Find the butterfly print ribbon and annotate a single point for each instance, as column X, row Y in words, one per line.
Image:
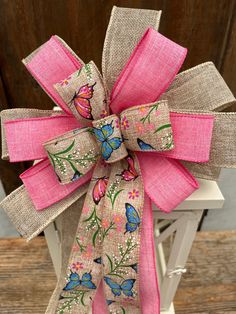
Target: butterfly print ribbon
column 125, row 142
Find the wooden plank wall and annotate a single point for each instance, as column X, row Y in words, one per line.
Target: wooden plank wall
column 207, row 28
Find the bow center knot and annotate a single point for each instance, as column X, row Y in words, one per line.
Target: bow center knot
column 110, row 139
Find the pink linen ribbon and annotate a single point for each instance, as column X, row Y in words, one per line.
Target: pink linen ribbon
column 151, row 68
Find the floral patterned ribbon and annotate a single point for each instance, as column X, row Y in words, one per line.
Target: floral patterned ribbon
column 106, row 250
column 112, row 212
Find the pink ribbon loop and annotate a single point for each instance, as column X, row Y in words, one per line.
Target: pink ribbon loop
column 53, row 62
column 44, row 193
column 25, row 137
column 151, row 68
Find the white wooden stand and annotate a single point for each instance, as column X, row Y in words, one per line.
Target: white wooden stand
column 181, row 224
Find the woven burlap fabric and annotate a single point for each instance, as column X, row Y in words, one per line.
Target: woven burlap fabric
column 115, row 238
column 154, row 117
column 99, row 171
column 198, row 90
column 69, row 221
column 21, row 113
column 111, row 246
column 72, row 154
column 90, row 76
column 221, row 155
column 124, row 31
column 67, row 226
column 27, row 220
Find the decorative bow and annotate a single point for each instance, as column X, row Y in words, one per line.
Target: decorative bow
column 125, row 144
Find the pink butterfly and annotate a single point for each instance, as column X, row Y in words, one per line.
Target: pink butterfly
column 81, row 101
column 130, row 173
column 99, row 189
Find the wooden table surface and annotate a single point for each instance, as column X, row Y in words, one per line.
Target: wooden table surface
column 27, row 277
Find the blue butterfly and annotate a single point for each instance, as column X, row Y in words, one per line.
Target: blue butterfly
column 132, row 217
column 144, row 146
column 74, row 281
column 108, row 144
column 125, row 287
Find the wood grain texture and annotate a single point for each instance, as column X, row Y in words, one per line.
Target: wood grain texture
column 228, row 66
column 206, row 28
column 209, row 286
column 27, row 277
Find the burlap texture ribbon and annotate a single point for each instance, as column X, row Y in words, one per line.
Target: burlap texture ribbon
column 114, row 222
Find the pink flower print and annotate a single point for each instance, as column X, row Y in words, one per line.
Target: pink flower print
column 119, row 228
column 139, row 127
column 75, row 248
column 103, row 163
column 117, row 122
column 87, row 254
column 133, row 194
column 118, row 219
column 85, row 210
column 143, row 111
column 150, row 126
column 77, row 266
column 105, row 223
column 65, row 81
column 157, row 112
column 124, row 123
column 119, row 222
column 104, row 114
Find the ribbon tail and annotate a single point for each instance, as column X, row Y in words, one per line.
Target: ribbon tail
column 123, row 210
column 99, row 303
column 149, row 290
column 83, row 274
column 66, row 225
